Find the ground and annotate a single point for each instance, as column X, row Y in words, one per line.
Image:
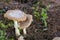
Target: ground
column 35, row 32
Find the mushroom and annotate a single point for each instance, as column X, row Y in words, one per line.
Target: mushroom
column 21, row 20
column 16, row 16
column 26, row 24
column 56, row 38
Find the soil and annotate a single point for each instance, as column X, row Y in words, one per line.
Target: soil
column 35, row 31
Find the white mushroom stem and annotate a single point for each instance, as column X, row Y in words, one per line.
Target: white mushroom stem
column 16, row 25
column 24, row 30
column 21, row 38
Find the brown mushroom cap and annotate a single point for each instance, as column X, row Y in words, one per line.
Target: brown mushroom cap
column 26, row 23
column 56, row 38
column 17, row 15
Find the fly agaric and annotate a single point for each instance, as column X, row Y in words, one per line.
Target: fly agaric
column 20, row 19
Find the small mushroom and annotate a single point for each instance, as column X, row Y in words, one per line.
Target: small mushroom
column 56, row 38
column 25, row 24
column 16, row 16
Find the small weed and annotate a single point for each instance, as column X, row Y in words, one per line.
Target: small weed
column 2, row 35
column 44, row 15
column 2, row 25
column 36, row 13
column 40, row 16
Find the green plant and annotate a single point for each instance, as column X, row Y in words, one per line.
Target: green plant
column 2, row 25
column 36, row 13
column 41, row 16
column 11, row 39
column 2, row 35
column 44, row 17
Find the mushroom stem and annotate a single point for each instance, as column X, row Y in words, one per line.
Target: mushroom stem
column 21, row 38
column 24, row 30
column 16, row 25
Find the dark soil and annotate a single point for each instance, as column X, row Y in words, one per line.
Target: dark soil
column 35, row 32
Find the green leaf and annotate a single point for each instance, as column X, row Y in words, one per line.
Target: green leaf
column 44, row 16
column 2, row 34
column 2, row 25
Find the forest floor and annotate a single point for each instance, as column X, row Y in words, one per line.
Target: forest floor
column 35, row 32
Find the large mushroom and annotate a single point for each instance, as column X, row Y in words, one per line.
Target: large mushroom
column 21, row 20
column 16, row 16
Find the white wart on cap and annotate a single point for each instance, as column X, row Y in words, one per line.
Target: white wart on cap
column 17, row 15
